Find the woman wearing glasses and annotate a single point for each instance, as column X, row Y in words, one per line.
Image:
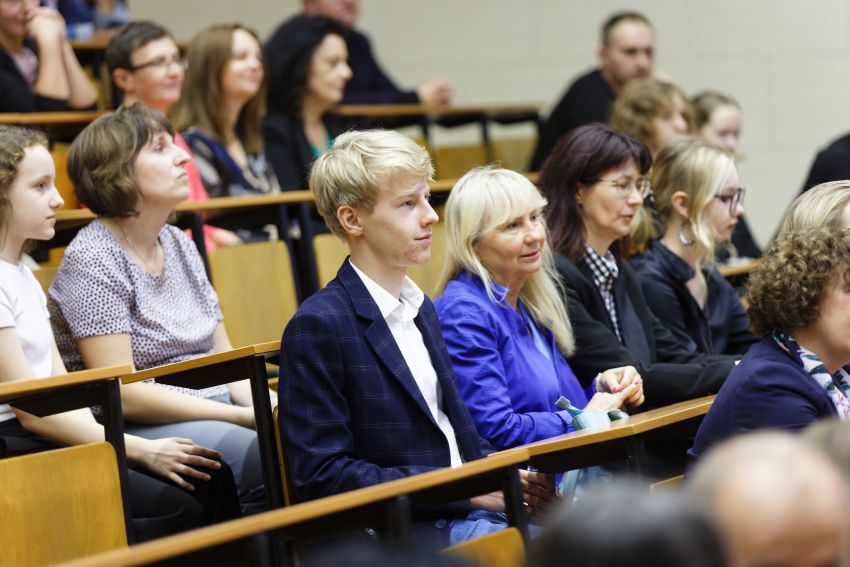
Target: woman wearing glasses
column 695, row 190
column 595, row 184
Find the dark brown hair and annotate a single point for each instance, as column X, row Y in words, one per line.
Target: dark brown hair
column 202, row 99
column 129, row 38
column 785, row 291
column 102, row 157
column 579, row 160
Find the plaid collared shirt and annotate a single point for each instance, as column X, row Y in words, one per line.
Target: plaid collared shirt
column 605, row 273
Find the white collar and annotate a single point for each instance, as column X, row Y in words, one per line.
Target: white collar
column 410, row 294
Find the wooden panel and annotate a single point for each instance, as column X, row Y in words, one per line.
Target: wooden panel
column 454, row 161
column 63, row 182
column 60, row 505
column 514, row 153
column 501, row 549
column 256, row 290
column 672, row 482
column 45, row 276
column 330, row 252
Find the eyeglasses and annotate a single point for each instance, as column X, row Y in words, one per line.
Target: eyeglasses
column 737, row 198
column 624, row 189
column 162, row 63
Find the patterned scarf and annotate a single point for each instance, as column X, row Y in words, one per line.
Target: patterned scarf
column 837, row 386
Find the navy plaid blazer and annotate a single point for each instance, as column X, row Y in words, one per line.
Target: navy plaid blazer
column 351, row 414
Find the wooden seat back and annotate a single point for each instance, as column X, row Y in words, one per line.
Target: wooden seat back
column 501, row 549
column 288, row 488
column 45, row 276
column 256, row 290
column 60, row 505
column 59, row 152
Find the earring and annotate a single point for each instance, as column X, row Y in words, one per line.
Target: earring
column 682, row 237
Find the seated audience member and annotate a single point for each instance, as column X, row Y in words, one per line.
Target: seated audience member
column 220, row 113
column 653, row 530
column 308, row 69
column 84, row 17
column 776, row 500
column 797, row 302
column 147, row 66
column 503, row 316
column 370, row 85
column 827, row 204
column 173, row 482
column 717, row 121
column 132, row 289
column 38, row 69
column 370, row 394
column 625, row 53
column 832, row 163
column 695, row 190
column 595, row 182
column 651, row 110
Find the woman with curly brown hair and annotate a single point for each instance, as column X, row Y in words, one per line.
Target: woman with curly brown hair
column 799, row 304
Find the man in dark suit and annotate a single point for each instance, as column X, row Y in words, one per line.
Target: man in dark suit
column 369, row 394
column 626, row 53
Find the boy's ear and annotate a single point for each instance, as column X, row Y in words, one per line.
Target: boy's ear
column 123, row 79
column 349, row 219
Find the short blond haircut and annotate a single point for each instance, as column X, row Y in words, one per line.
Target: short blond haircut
column 695, row 168
column 640, row 102
column 348, row 174
column 481, row 201
column 822, row 205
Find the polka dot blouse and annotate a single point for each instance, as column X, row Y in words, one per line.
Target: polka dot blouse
column 99, row 290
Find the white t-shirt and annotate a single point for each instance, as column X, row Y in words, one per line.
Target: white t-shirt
column 24, row 307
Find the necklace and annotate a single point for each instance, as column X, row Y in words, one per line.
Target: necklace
column 129, row 240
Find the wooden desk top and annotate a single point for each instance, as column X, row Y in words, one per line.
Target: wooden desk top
column 636, row 424
column 269, row 348
column 191, row 364
column 395, row 110
column 74, row 216
column 13, row 390
column 97, row 42
column 48, row 118
column 377, row 495
column 739, row 269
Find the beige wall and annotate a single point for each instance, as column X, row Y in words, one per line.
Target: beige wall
column 787, row 62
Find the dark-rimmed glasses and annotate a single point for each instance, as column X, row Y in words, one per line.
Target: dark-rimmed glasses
column 162, row 63
column 733, row 200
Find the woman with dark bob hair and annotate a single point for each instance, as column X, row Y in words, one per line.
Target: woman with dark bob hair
column 132, row 289
column 595, row 182
column 308, row 70
column 799, row 304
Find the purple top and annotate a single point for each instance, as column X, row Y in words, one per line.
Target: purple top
column 99, row 290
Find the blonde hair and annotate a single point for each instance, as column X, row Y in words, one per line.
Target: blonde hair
column 822, row 205
column 705, row 103
column 696, row 168
column 482, row 200
column 348, row 174
column 640, row 102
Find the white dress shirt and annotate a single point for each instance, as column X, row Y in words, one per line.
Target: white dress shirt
column 399, row 316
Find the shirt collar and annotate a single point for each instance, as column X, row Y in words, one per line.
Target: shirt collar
column 671, row 261
column 411, row 296
column 604, row 266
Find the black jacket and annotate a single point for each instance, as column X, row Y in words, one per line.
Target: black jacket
column 831, row 164
column 587, row 100
column 15, row 94
column 721, row 328
column 288, row 149
column 369, row 84
column 670, row 373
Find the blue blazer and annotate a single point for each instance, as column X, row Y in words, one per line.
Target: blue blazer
column 767, row 390
column 351, row 414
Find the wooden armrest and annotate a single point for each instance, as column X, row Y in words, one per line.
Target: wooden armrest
column 738, row 269
column 12, row 390
column 292, row 516
column 271, row 348
column 669, row 415
column 49, row 118
column 177, row 368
